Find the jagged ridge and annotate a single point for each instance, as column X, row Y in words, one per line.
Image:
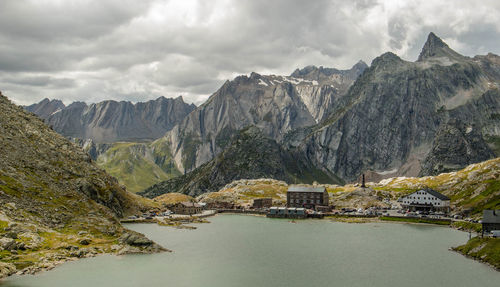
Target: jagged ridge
column 250, row 155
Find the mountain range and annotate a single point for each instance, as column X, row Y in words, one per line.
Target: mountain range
column 392, row 118
column 111, row 121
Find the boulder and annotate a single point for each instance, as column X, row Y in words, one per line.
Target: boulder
column 7, row 269
column 135, row 239
column 85, row 241
column 7, row 243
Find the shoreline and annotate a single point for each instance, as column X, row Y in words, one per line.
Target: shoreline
column 453, row 249
column 129, row 242
column 47, row 266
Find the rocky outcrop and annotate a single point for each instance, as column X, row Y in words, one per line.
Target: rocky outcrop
column 6, row 269
column 456, row 145
column 249, row 155
column 111, row 121
column 274, row 104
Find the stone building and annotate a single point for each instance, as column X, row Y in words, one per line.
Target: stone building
column 308, row 197
column 187, row 208
column 262, row 202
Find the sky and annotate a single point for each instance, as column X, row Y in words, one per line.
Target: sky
column 95, row 50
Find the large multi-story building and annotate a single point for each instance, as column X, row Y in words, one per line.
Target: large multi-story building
column 308, row 197
column 187, row 208
column 425, row 200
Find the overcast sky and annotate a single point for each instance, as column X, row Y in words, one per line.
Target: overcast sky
column 139, row 50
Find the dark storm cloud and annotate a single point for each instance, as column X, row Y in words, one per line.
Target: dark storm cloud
column 138, row 50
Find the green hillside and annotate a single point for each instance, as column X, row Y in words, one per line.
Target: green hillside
column 138, row 165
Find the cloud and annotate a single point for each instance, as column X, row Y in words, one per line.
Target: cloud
column 94, row 50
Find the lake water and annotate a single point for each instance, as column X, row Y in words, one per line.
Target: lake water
column 238, row 250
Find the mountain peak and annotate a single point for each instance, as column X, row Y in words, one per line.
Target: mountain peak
column 360, row 65
column 388, row 58
column 435, row 47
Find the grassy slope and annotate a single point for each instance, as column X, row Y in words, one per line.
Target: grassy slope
column 244, row 191
column 483, row 249
column 133, row 164
column 172, row 198
column 473, row 188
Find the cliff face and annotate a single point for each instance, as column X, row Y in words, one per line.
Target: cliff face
column 52, row 197
column 455, row 146
column 274, row 104
column 111, row 121
column 249, row 155
column 389, row 119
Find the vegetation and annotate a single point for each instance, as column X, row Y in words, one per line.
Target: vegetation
column 467, row 226
column 133, row 164
column 416, row 220
column 172, row 198
column 471, row 189
column 483, row 249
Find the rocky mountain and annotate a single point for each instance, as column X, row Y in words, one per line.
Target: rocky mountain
column 274, row 104
column 111, row 121
column 55, row 203
column 45, row 108
column 392, row 116
column 250, row 154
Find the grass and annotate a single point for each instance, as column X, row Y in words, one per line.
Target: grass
column 484, row 249
column 172, row 198
column 134, row 166
column 467, row 226
column 415, row 220
column 3, row 225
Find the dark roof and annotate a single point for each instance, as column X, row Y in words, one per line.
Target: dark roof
column 491, row 216
column 190, row 204
column 429, row 191
column 306, row 189
column 436, row 194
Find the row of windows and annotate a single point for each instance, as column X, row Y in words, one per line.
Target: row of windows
column 306, row 195
column 304, row 201
column 423, row 197
column 435, row 203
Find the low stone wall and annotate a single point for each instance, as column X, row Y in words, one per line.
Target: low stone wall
column 243, row 211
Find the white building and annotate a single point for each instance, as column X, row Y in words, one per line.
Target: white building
column 425, row 199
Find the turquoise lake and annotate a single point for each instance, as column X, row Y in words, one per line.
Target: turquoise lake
column 238, row 250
